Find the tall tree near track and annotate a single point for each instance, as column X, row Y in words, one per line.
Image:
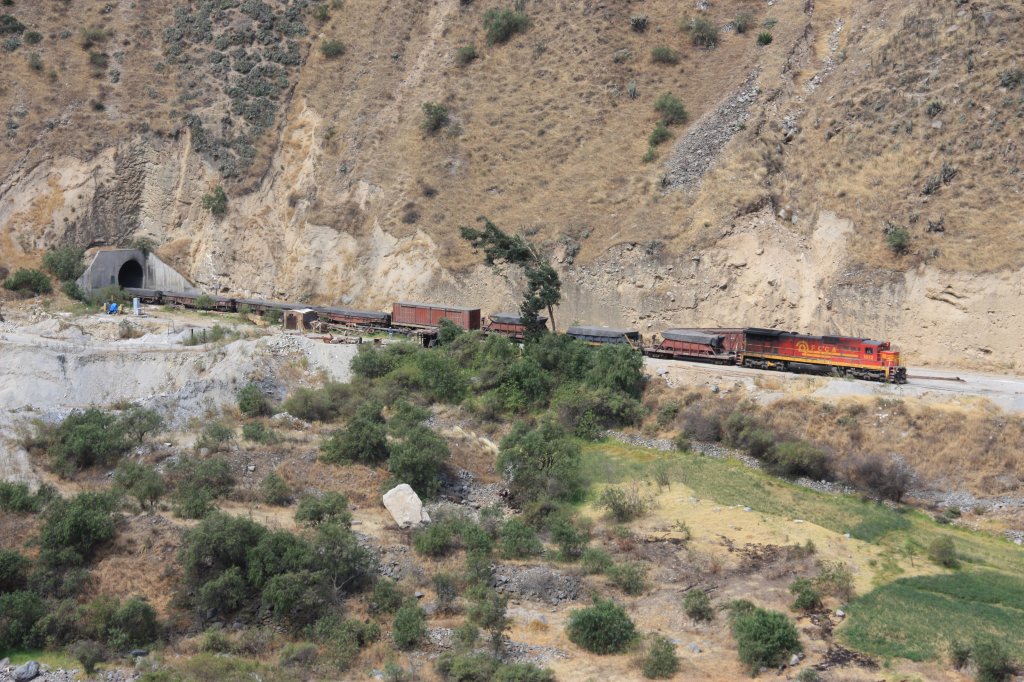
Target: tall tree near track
column 543, row 288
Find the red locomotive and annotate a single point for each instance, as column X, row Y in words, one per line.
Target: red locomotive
column 785, row 351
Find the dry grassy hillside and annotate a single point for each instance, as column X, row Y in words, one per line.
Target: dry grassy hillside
column 885, row 116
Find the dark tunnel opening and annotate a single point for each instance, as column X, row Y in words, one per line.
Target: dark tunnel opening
column 130, row 275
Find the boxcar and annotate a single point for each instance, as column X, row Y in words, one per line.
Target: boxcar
column 354, row 318
column 510, row 325
column 430, row 315
column 694, row 344
column 837, row 355
column 603, row 335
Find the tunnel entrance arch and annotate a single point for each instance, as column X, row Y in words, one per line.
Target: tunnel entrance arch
column 130, row 274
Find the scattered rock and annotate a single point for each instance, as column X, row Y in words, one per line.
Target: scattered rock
column 26, row 672
column 537, row 583
column 405, row 506
column 694, row 649
column 840, row 613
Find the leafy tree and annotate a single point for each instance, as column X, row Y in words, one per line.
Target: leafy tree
column 603, row 628
column 136, row 618
column 276, row 553
column 223, row 595
column 89, row 653
column 216, row 202
column 275, row 490
column 442, row 377
column 64, row 263
column 540, row 463
column 76, row 528
column 619, row 368
column 409, row 626
column 346, row 564
column 141, row 481
column 219, row 543
column 328, row 508
column 26, row 280
column 764, row 638
column 418, row 460
column 252, row 402
column 446, row 588
column 543, row 287
column 364, row 439
column 138, row 422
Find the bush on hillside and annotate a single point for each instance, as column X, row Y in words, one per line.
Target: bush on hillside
column 363, row 440
column 629, row 577
column 502, row 24
column 799, row 458
column 197, row 483
column 215, row 437
column 216, row 202
column 409, row 627
column 332, row 48
column 603, row 628
column 75, row 529
column 65, row 263
column 89, row 653
column 671, row 109
column 330, row 507
column 703, row 32
column 141, row 481
column 28, row 281
column 661, row 661
column 943, row 552
column 13, row 571
column 19, row 498
column 764, row 638
column 541, row 463
column 252, row 402
column 87, row 438
column 435, row 117
column 664, row 55
column 623, row 505
column 275, row 491
column 992, row 659
column 19, row 612
column 138, row 422
column 807, row 598
column 519, row 541
column 418, row 460
column 697, row 605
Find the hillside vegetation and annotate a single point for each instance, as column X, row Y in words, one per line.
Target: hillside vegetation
column 897, row 119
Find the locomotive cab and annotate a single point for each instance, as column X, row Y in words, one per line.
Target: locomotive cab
column 890, row 359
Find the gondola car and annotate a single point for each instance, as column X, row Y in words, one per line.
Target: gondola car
column 599, row 336
column 510, row 325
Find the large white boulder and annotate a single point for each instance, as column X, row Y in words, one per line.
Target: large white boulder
column 405, row 506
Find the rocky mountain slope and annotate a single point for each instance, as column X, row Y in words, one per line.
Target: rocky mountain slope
column 859, row 174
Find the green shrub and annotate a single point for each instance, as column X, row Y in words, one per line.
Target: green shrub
column 138, row 422
column 136, row 618
column 434, row 540
column 216, row 202
column 808, row 675
column 363, row 440
column 661, row 662
column 603, row 628
column 26, row 280
column 799, row 458
column 197, row 483
column 19, row 611
column 8, row 24
column 465, row 54
column 224, row 594
column 65, row 263
column 622, row 505
column 275, row 491
column 743, row 22
column 258, row 432
column 447, row 590
column 594, row 560
column 89, row 653
column 943, row 552
column 74, row 529
column 332, row 48
column 664, row 55
column 638, row 22
column 141, row 481
column 18, row 498
column 697, row 605
column 298, row 654
column 659, row 135
column 13, row 571
column 328, row 508
column 522, row 672
column 418, row 460
column 834, row 577
column 468, row 667
column 73, row 291
column 519, row 541
column 502, row 24
column 992, row 659
column 387, row 597
column 629, row 577
column 671, row 109
column 252, row 402
column 296, row 598
column 345, row 562
column 764, row 38
column 343, row 638
column 409, row 627
column 898, row 239
column 322, row 404
column 435, row 117
column 703, row 32
column 489, row 613
column 569, row 536
column 807, row 598
column 764, row 638
column 934, row 108
column 215, row 437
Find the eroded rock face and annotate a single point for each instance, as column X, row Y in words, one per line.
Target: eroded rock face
column 405, row 506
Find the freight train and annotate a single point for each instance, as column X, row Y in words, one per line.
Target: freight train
column 768, row 349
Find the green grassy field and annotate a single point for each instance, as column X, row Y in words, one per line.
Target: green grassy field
column 916, row 618
column 913, row 618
